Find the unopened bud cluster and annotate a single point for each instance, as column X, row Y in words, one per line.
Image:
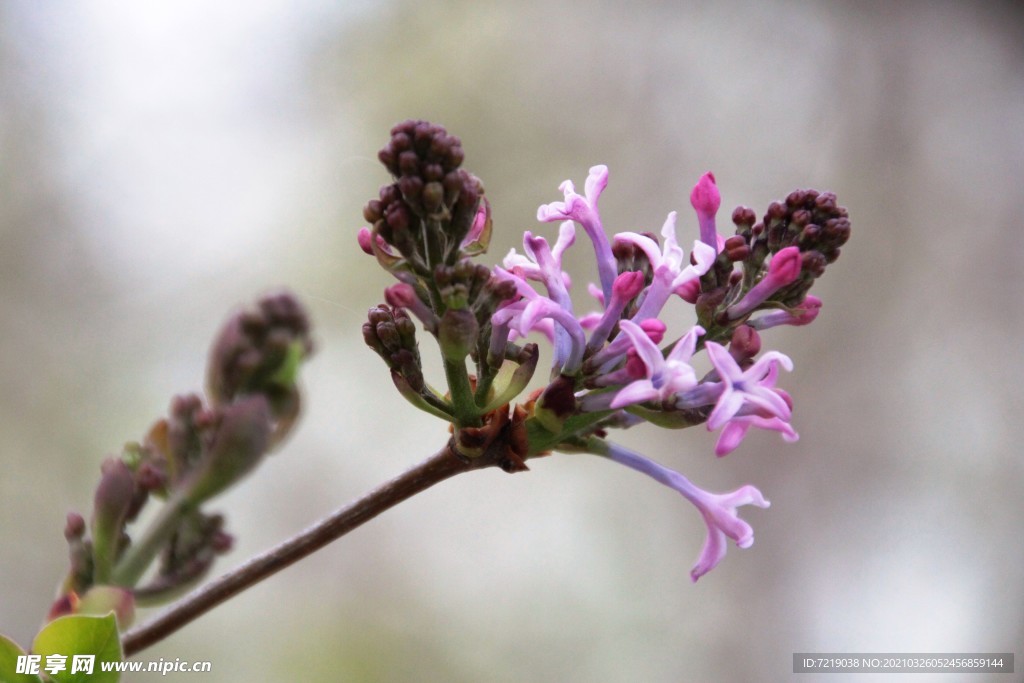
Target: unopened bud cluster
column 430, row 208
column 199, row 450
column 425, row 228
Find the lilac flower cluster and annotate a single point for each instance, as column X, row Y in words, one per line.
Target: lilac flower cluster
column 620, row 366
column 610, row 369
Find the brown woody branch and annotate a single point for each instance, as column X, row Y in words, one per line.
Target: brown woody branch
column 438, row 467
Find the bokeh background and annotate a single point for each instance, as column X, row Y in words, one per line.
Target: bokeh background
column 164, row 162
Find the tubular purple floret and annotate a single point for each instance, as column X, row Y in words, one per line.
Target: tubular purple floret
column 583, row 210
column 717, row 509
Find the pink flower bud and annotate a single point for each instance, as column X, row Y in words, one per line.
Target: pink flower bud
column 784, row 267
column 804, row 314
column 654, row 328
column 365, row 238
column 745, row 343
column 627, row 285
column 689, row 291
column 809, row 310
column 635, row 367
column 401, row 295
column 706, row 200
column 705, row 197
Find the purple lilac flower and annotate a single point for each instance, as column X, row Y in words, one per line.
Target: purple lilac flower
column 667, row 261
column 524, row 315
column 611, row 354
column 544, row 264
column 736, row 429
column 717, row 509
column 665, row 376
column 583, row 210
column 751, row 390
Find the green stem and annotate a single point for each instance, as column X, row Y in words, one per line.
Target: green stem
column 483, row 385
column 140, row 555
column 463, row 403
column 543, row 440
column 104, row 549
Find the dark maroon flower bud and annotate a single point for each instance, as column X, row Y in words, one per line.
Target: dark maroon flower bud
column 408, row 163
column 397, row 216
column 800, row 218
column 814, row 262
column 433, row 173
column 240, row 441
column 455, row 155
column 113, row 498
column 433, row 195
column 114, row 493
column 745, row 343
column 373, row 211
column 776, row 211
column 387, row 156
column 259, row 351
column 411, row 187
column 222, row 542
column 74, row 526
column 744, row 218
column 392, row 334
column 388, row 335
column 826, row 202
column 389, row 194
column 736, row 248
column 469, row 193
column 401, row 142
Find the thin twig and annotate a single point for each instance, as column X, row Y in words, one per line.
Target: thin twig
column 438, row 467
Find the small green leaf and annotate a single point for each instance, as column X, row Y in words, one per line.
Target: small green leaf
column 287, row 374
column 542, row 439
column 512, row 379
column 669, row 419
column 81, row 635
column 415, row 398
column 9, row 653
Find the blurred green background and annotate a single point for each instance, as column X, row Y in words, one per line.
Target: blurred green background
column 161, row 163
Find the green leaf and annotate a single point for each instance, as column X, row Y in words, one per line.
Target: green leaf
column 9, row 653
column 415, row 398
column 81, row 635
column 512, row 379
column 669, row 419
column 542, row 439
column 287, row 374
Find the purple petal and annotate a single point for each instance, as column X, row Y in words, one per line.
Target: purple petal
column 635, row 392
column 645, row 348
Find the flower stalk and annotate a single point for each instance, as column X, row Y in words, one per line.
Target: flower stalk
column 443, row 465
